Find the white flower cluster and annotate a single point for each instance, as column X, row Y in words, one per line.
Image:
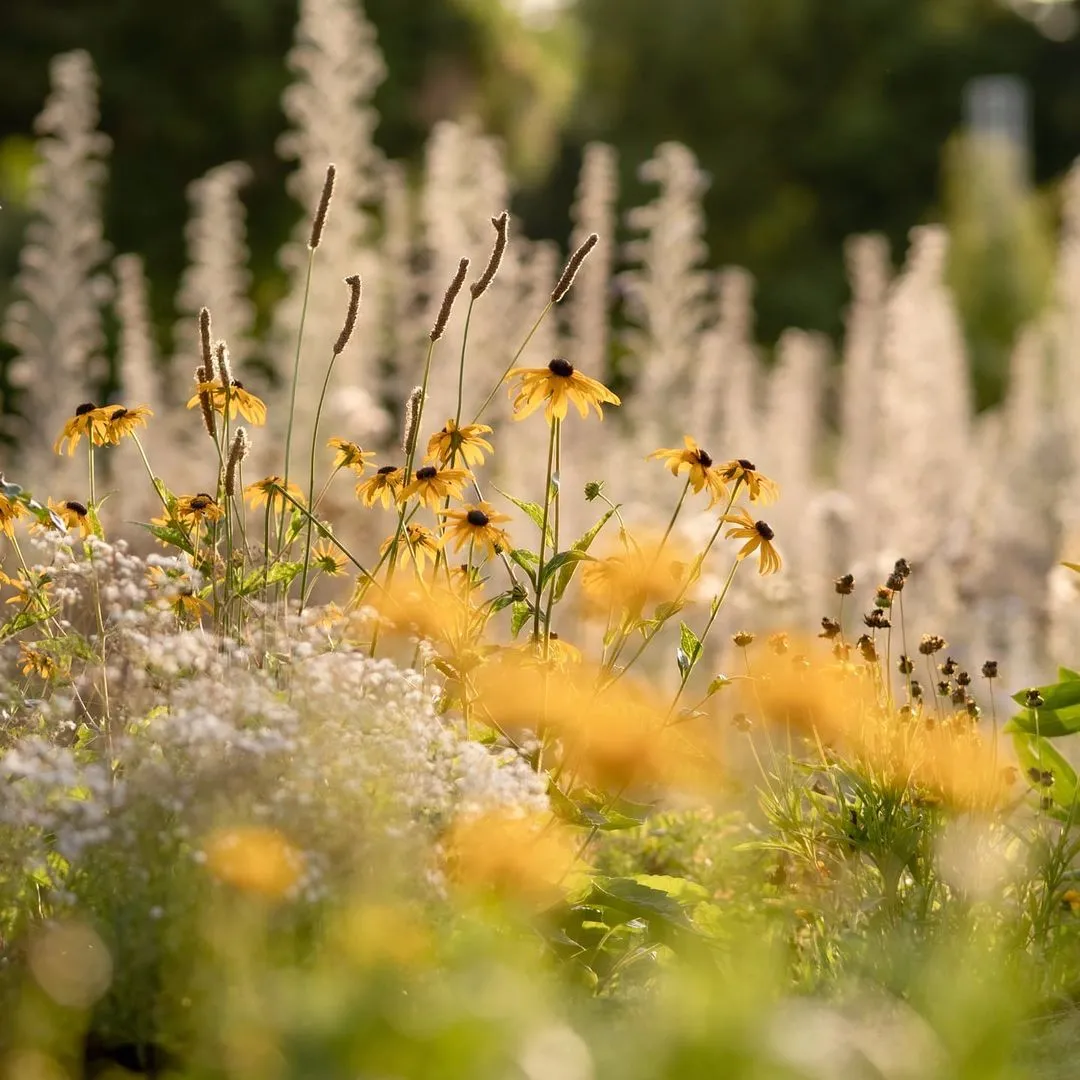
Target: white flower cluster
column 342, row 755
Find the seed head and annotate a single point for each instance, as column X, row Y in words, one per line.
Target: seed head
column 566, row 278
column 240, row 448
column 830, row 628
column 355, row 289
column 203, row 375
column 932, row 643
column 413, row 410
column 205, row 343
column 1033, row 699
column 222, row 363
column 990, row 669
column 905, row 665
column 743, row 638
column 480, row 286
column 845, row 585
column 318, row 223
column 449, row 297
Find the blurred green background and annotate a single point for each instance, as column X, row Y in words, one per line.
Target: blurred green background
column 814, row 119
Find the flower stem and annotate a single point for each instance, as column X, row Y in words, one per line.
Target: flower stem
column 516, row 357
column 544, row 526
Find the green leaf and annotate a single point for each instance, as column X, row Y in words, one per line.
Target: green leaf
column 719, row 683
column 1034, row 752
column 284, row 572
column 169, row 534
column 1067, row 674
column 504, row 599
column 689, row 649
column 583, row 543
column 560, row 559
column 521, row 612
column 527, row 560
column 1049, row 723
column 640, row 901
column 534, row 511
column 664, row 611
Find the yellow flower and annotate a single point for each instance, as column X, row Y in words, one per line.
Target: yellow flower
column 89, row 420
column 123, row 421
column 431, row 485
column 254, row 859
column 560, row 653
column 466, row 441
column 382, row 487
column 10, row 509
column 421, row 544
column 633, row 579
column 475, row 523
column 350, row 456
column 195, row 508
column 760, row 488
column 559, row 385
column 36, row 661
column 73, row 514
column 264, row 492
column 700, row 466
column 250, row 407
column 327, row 558
column 758, row 536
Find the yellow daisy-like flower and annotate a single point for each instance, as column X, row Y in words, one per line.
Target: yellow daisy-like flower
column 420, row 544
column 760, row 488
column 350, row 456
column 560, row 653
column 467, row 441
column 560, row 386
column 89, row 420
column 73, row 514
column 250, row 407
column 758, row 536
column 327, row 558
column 431, row 485
column 476, row 524
column 122, row 421
column 643, row 576
column 264, row 492
column 10, row 511
column 382, row 487
column 35, row 661
column 195, row 508
column 700, row 465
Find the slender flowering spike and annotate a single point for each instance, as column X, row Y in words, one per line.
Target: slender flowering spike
column 480, row 286
column 319, row 222
column 205, row 343
column 350, row 316
column 443, row 317
column 223, row 363
column 412, row 419
column 241, row 447
column 566, row 279
column 203, row 376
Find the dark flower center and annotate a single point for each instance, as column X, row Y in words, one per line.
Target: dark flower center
column 703, row 459
column 201, row 501
column 428, row 472
column 119, row 413
column 237, row 384
column 386, row 470
column 747, row 465
column 86, row 407
column 560, row 366
column 763, row 530
column 76, row 508
column 477, row 518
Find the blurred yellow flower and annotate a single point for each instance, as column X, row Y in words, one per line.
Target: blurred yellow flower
column 193, row 509
column 250, row 407
column 254, row 859
column 123, row 421
column 10, row 511
column 327, row 558
column 73, row 514
column 266, row 493
column 89, row 420
column 350, row 456
column 759, row 488
column 559, row 385
column 36, row 661
column 642, row 576
column 419, row 543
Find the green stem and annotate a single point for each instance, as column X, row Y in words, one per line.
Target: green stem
column 543, row 526
column 510, row 366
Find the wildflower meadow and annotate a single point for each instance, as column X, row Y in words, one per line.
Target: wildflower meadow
column 486, row 665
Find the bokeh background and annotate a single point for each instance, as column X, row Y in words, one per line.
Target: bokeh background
column 813, row 120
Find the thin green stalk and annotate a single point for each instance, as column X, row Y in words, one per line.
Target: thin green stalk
column 516, row 357
column 544, row 524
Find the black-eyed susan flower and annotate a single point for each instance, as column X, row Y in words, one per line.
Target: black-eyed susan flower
column 269, row 492
column 122, row 421
column 327, row 558
column 760, row 489
column 431, row 485
column 193, row 509
column 10, row 511
column 758, row 536
column 89, row 420
column 382, row 487
column 73, row 514
column 350, row 456
column 644, row 575
column 468, row 441
column 476, row 524
column 702, row 473
column 240, row 400
column 34, row 661
column 559, row 385
column 419, row 543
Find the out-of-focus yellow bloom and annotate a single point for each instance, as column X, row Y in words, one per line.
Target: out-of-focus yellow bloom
column 89, row 420
column 382, row 487
column 10, row 511
column 702, row 473
column 475, row 523
column 467, row 441
column 632, row 579
column 254, row 859
column 760, row 489
column 250, row 407
column 418, row 543
column 73, row 514
column 122, row 421
column 350, row 456
column 265, row 493
column 193, row 509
